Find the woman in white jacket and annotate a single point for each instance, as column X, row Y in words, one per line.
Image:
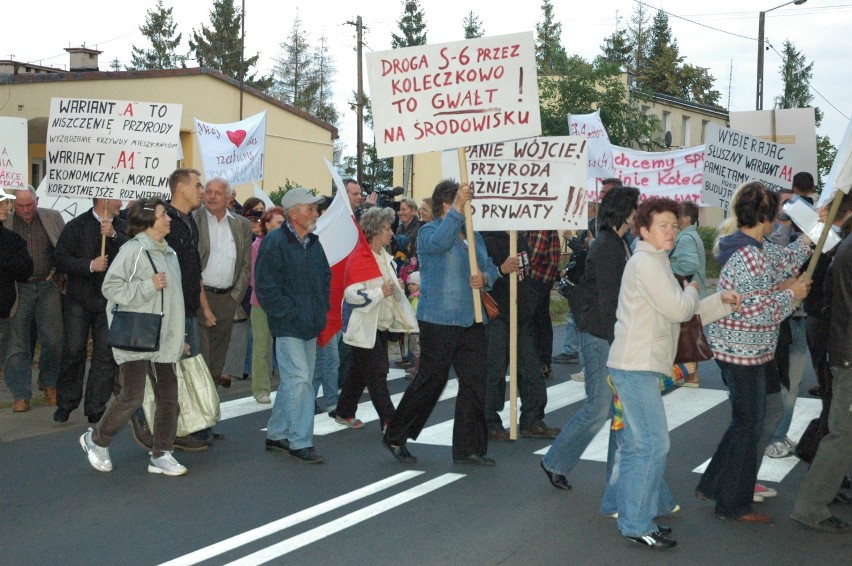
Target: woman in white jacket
column 373, row 306
column 651, row 306
column 144, row 277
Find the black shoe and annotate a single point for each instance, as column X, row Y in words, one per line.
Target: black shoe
column 61, row 415
column 317, row 410
column 476, row 460
column 189, row 443
column 547, row 371
column 332, row 413
column 541, row 430
column 94, row 419
column 282, row 445
column 204, row 435
column 842, row 498
column 664, row 530
column 831, row 525
column 845, row 484
column 401, row 453
column 654, row 540
column 306, row 455
column 556, row 480
column 815, row 391
column 141, row 433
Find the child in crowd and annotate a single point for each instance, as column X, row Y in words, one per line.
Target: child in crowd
column 414, row 338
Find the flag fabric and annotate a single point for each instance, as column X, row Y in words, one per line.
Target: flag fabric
column 347, row 252
column 840, row 176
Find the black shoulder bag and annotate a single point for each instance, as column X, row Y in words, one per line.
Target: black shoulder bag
column 137, row 331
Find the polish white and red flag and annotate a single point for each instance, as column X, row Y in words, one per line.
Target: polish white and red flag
column 347, row 251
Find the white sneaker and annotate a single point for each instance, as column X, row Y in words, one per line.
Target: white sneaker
column 98, row 455
column 790, row 444
column 167, row 465
column 263, row 398
column 579, row 376
column 777, row 450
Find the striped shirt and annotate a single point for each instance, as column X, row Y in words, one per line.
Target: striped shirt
column 38, row 244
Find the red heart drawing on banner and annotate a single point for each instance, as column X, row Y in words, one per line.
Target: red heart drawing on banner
column 237, row 137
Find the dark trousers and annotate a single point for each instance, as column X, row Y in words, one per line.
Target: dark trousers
column 816, row 332
column 730, row 477
column 103, row 371
column 443, row 347
column 132, row 377
column 215, row 340
column 531, row 388
column 369, row 368
column 542, row 324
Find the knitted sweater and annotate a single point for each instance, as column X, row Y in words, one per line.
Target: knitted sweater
column 755, row 270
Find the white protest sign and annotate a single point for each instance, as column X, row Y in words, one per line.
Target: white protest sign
column 234, row 152
column 530, row 184
column 450, row 95
column 840, row 176
column 591, row 127
column 111, row 148
column 673, row 174
column 790, row 126
column 732, row 158
column 14, row 160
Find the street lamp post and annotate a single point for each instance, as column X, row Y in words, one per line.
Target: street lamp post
column 761, row 49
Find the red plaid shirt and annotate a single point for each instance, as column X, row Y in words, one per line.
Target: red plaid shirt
column 545, row 253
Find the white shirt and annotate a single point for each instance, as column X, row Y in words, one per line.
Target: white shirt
column 222, row 260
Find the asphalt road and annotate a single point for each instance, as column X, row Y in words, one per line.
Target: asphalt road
column 241, row 504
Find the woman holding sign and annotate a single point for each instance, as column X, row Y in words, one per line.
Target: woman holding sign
column 448, row 334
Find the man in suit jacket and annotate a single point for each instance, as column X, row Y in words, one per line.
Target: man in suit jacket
column 224, row 244
column 38, row 299
column 78, row 255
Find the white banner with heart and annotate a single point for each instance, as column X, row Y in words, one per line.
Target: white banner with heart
column 233, row 151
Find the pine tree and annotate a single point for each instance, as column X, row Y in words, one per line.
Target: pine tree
column 218, row 47
column 323, row 72
column 411, row 25
column 472, row 26
column 618, row 50
column 293, row 71
column 115, row 65
column 160, row 29
column 639, row 32
column 550, row 56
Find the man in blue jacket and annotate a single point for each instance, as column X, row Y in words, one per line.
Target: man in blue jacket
column 293, row 282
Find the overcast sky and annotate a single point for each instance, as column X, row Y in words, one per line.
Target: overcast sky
column 38, row 31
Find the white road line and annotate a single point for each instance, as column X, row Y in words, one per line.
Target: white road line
column 776, row 469
column 337, row 525
column 247, row 405
column 247, row 537
column 558, row 396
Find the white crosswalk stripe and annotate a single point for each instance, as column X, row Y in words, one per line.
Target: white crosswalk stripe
column 682, row 405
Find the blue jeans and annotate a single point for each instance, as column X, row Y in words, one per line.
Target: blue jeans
column 293, row 411
column 571, row 345
column 609, row 504
column 729, row 478
column 797, row 357
column 39, row 302
column 325, row 372
column 576, row 435
column 644, row 448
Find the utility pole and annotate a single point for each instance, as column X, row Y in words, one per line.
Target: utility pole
column 359, row 27
column 242, row 55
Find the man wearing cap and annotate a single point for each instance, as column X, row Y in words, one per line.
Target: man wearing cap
column 15, row 265
column 38, row 299
column 224, row 245
column 293, row 281
column 78, row 255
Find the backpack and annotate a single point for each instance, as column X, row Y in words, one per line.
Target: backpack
column 575, row 269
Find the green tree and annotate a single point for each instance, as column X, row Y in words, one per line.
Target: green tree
column 324, row 70
column 412, row 26
column 796, row 76
column 639, row 33
column 617, row 50
column 580, row 87
column 472, row 26
column 160, row 29
column 218, row 47
column 293, row 71
column 550, row 56
column 115, row 65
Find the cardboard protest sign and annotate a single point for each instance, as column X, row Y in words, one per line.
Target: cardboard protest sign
column 115, row 149
column 790, row 126
column 590, row 127
column 235, row 151
column 529, row 184
column 14, row 159
column 673, row 174
column 450, row 95
column 732, row 158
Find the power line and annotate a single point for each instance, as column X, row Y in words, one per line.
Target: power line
column 810, row 86
column 694, row 22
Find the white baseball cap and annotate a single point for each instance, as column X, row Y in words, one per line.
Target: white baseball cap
column 299, row 195
column 6, row 196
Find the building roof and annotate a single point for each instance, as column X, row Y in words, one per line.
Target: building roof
column 675, row 101
column 163, row 73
